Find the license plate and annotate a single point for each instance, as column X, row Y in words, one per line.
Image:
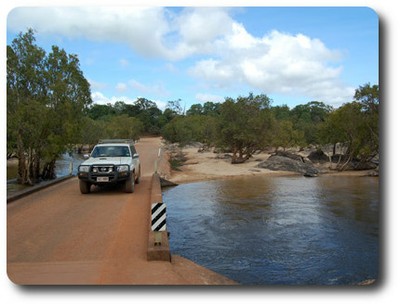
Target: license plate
column 102, row 179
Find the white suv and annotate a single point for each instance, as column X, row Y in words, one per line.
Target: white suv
column 111, row 161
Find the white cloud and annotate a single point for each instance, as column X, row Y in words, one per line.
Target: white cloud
column 141, row 28
column 157, row 89
column 215, row 71
column 226, row 53
column 240, row 39
column 154, row 89
column 100, row 98
column 160, row 104
column 151, row 31
column 204, row 97
column 198, row 29
column 277, row 63
column 195, row 31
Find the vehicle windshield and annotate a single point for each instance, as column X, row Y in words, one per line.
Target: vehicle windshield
column 111, row 151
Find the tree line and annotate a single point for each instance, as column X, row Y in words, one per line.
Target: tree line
column 250, row 123
column 50, row 111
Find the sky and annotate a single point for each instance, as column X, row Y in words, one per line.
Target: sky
column 294, row 55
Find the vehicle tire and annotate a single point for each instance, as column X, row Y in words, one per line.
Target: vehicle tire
column 84, row 187
column 137, row 180
column 130, row 184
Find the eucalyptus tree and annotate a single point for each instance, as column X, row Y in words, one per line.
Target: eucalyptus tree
column 149, row 114
column 356, row 126
column 123, row 126
column 46, row 98
column 67, row 98
column 245, row 125
column 26, row 104
column 368, row 97
column 308, row 118
column 189, row 128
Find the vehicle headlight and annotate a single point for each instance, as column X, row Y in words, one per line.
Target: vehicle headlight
column 123, row 168
column 84, row 168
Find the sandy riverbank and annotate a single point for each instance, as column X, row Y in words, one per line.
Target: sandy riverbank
column 203, row 166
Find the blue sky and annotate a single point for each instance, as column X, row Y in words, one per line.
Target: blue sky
column 292, row 54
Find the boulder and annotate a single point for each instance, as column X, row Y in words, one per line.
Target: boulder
column 318, row 156
column 283, row 163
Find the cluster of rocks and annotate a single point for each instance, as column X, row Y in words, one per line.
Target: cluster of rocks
column 311, row 165
column 287, row 161
column 309, row 162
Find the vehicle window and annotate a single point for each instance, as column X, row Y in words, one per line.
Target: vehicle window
column 125, row 151
column 111, row 151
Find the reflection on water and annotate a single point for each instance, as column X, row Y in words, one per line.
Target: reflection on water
column 279, row 230
column 66, row 165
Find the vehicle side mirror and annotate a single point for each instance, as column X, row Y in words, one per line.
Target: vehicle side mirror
column 86, row 156
column 135, row 155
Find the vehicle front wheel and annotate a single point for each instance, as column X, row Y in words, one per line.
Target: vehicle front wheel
column 137, row 181
column 130, row 184
column 84, row 187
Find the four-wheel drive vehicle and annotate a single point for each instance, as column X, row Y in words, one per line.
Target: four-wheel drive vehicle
column 111, row 161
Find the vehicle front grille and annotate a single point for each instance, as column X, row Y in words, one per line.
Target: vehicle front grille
column 102, row 169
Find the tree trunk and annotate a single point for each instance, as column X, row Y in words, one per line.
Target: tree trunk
column 30, row 167
column 49, row 172
column 343, row 167
column 237, row 157
column 21, row 177
column 22, row 169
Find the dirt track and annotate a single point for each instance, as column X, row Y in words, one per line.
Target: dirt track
column 59, row 236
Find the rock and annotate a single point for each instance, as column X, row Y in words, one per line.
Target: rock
column 367, row 282
column 318, row 157
column 223, row 156
column 289, row 155
column 374, row 172
column 283, row 163
column 166, row 183
column 310, row 174
column 356, row 165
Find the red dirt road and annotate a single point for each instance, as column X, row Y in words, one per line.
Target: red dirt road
column 59, row 236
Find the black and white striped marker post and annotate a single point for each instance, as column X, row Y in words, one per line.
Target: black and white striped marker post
column 158, row 217
column 158, row 221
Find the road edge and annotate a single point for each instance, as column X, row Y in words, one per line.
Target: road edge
column 20, row 194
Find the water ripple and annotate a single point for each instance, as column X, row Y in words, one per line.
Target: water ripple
column 291, row 230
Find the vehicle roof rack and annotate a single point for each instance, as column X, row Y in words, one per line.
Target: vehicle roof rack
column 116, row 141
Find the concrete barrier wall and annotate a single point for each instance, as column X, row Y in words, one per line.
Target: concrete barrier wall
column 158, row 243
column 13, row 196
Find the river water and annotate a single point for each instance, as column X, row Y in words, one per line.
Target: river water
column 279, row 230
column 66, row 165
